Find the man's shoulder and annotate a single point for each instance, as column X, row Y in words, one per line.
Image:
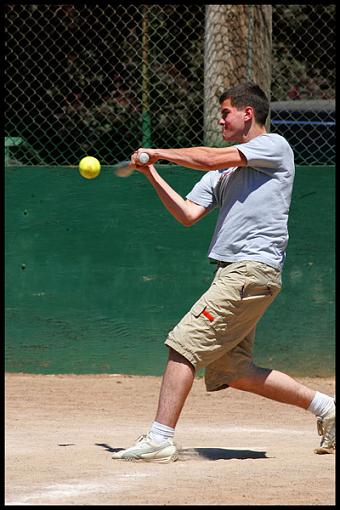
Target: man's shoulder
column 273, row 141
column 269, row 137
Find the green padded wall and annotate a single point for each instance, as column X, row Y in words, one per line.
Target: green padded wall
column 97, row 273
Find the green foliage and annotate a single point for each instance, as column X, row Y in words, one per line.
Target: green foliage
column 303, row 58
column 77, row 81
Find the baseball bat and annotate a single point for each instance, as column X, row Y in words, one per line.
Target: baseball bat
column 122, row 168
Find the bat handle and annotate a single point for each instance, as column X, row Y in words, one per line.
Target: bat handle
column 143, row 158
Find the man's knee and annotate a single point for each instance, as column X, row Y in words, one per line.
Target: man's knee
column 179, row 358
column 248, row 375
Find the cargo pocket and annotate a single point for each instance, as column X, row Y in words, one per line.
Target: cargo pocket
column 202, row 309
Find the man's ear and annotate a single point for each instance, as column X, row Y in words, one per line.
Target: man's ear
column 248, row 113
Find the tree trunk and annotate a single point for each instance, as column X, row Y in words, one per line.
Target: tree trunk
column 238, row 48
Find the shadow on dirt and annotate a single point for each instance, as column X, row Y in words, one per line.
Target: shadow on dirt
column 220, row 454
column 207, row 453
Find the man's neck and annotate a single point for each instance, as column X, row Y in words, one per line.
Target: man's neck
column 255, row 131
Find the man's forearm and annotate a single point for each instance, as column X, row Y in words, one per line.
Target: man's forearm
column 202, row 158
column 174, row 203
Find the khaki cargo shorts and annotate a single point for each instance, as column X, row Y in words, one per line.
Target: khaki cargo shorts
column 219, row 331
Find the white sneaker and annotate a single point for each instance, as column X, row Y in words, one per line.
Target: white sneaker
column 146, row 450
column 326, row 429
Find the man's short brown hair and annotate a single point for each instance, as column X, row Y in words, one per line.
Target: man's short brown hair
column 248, row 94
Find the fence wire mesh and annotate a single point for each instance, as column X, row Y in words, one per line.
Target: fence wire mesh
column 106, row 79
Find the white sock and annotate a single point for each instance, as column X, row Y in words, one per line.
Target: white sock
column 321, row 404
column 159, row 432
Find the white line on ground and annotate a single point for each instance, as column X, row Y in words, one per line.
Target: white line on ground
column 61, row 490
column 250, row 429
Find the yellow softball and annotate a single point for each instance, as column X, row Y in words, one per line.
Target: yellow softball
column 89, row 167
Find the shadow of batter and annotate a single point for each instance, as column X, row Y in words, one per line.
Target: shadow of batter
column 220, row 454
column 207, row 453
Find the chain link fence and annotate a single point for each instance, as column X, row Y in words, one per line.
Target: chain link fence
column 106, row 79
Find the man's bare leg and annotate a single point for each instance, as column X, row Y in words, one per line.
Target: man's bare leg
column 157, row 445
column 283, row 388
column 176, row 384
column 276, row 386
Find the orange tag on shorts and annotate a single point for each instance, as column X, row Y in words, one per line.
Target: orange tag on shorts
column 208, row 315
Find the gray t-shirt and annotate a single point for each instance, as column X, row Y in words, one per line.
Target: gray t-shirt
column 253, row 200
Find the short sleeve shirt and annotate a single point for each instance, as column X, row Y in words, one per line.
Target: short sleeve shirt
column 253, row 202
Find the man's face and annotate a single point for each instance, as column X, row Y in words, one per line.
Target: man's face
column 234, row 122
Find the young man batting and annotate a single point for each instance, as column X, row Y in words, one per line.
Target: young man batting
column 251, row 183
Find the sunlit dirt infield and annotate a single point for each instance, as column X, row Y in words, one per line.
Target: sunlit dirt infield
column 236, row 448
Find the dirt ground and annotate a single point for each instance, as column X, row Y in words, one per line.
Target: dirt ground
column 237, row 448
